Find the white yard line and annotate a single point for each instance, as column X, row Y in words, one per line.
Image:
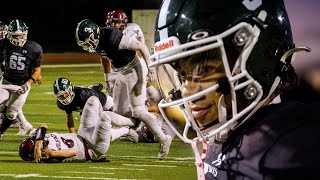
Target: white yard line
column 148, row 165
column 129, row 169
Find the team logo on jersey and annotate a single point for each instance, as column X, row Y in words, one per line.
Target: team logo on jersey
column 212, row 168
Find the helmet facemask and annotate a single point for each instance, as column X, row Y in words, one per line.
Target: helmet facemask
column 209, row 79
column 63, row 91
column 90, row 44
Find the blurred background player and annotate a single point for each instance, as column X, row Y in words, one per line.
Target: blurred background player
column 22, row 59
column 225, row 71
column 119, row 50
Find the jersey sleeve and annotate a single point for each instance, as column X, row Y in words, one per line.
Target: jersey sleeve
column 38, row 55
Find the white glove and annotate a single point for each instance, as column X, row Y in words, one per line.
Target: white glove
column 152, row 75
column 24, row 88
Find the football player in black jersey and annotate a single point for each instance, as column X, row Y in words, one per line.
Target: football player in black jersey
column 119, row 50
column 22, row 59
column 222, row 63
column 75, row 98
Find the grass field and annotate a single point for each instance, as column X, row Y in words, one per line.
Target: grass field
column 127, row 160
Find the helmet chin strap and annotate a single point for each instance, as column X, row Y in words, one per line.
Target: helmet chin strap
column 276, row 82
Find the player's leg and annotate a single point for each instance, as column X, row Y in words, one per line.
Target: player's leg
column 14, row 105
column 136, row 86
column 120, row 97
column 119, row 120
column 90, row 117
column 24, row 125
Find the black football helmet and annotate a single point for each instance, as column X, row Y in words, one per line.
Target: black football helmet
column 26, row 149
column 3, row 30
column 63, row 90
column 249, row 41
column 17, row 28
column 87, row 35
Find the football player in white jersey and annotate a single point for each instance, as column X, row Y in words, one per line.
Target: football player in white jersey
column 119, row 19
column 90, row 143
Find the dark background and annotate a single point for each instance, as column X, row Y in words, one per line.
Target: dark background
column 52, row 23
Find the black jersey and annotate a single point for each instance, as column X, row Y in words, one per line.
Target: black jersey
column 109, row 47
column 279, row 141
column 20, row 61
column 82, row 94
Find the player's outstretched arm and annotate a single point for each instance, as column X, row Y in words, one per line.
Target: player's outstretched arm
column 66, row 153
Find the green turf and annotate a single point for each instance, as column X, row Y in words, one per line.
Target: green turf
column 128, row 160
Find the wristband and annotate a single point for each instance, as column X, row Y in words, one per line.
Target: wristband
column 41, row 132
column 32, row 79
column 106, row 77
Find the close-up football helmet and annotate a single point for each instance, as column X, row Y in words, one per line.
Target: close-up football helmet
column 26, row 149
column 248, row 42
column 3, row 30
column 87, row 35
column 17, row 32
column 117, row 16
column 63, row 90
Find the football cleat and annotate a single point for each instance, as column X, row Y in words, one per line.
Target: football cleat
column 164, row 148
column 25, row 129
column 133, row 136
column 1, row 136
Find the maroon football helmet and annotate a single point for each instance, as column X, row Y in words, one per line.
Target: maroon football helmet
column 117, row 16
column 147, row 134
column 26, row 149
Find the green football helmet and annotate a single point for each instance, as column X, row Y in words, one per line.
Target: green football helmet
column 17, row 32
column 87, row 35
column 249, row 41
column 63, row 90
column 3, row 30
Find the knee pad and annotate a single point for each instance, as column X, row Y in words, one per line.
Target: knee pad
column 12, row 115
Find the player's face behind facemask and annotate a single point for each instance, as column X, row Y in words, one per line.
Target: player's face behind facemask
column 65, row 97
column 191, row 84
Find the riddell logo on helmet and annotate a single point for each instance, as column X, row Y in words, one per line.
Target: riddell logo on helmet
column 164, row 45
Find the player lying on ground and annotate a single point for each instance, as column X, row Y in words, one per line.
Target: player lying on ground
column 91, row 142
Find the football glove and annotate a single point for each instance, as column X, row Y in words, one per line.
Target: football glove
column 24, row 88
